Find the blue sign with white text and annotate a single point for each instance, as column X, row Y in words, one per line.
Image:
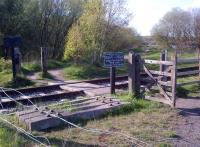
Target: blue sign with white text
column 10, row 42
column 113, row 59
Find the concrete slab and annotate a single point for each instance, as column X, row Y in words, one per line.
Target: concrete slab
column 37, row 120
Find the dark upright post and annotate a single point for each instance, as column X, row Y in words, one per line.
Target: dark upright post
column 137, row 75
column 13, row 63
column 112, row 80
column 44, row 60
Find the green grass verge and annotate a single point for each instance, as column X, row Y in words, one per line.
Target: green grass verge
column 79, row 72
column 6, row 81
column 35, row 67
column 10, row 138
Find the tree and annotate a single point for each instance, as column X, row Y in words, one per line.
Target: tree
column 101, row 26
column 174, row 29
column 74, row 44
column 196, row 27
column 39, row 23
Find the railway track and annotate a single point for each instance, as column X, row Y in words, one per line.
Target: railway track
column 56, row 93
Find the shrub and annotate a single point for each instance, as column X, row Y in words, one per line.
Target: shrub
column 5, row 65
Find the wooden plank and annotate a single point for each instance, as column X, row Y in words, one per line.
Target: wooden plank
column 162, row 83
column 174, row 80
column 188, row 60
column 160, row 73
column 188, row 73
column 159, row 86
column 161, row 100
column 169, row 94
column 188, row 83
column 158, row 62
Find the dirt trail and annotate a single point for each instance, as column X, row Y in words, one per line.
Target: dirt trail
column 57, row 77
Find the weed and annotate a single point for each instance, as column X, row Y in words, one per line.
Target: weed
column 163, row 144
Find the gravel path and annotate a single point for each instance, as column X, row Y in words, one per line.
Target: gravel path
column 189, row 129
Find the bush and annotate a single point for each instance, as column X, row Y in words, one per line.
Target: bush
column 5, row 65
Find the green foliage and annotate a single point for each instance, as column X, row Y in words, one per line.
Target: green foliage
column 163, row 144
column 74, row 45
column 30, row 67
column 95, row 33
column 39, row 23
column 171, row 134
column 5, row 65
column 136, row 105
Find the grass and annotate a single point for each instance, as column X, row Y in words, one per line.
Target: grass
column 11, row 138
column 79, row 72
column 65, row 105
column 145, row 120
column 46, row 76
column 35, row 67
column 192, row 90
column 6, row 80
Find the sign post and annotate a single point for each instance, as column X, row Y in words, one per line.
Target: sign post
column 112, row 79
column 12, row 42
column 113, row 60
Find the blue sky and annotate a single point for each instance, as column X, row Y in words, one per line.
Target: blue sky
column 146, row 13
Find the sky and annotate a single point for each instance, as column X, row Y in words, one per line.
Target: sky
column 146, row 13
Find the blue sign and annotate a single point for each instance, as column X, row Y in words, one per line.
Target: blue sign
column 113, row 59
column 10, row 42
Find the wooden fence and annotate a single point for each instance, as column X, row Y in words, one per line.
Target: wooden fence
column 164, row 78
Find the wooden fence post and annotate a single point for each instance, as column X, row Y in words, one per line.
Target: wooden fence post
column 131, row 72
column 163, row 57
column 174, row 80
column 198, row 50
column 137, row 75
column 134, row 74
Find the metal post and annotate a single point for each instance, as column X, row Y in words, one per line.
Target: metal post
column 112, row 80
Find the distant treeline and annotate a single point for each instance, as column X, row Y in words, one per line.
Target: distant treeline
column 179, row 29
column 73, row 29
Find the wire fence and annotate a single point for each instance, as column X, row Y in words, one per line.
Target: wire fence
column 95, row 131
